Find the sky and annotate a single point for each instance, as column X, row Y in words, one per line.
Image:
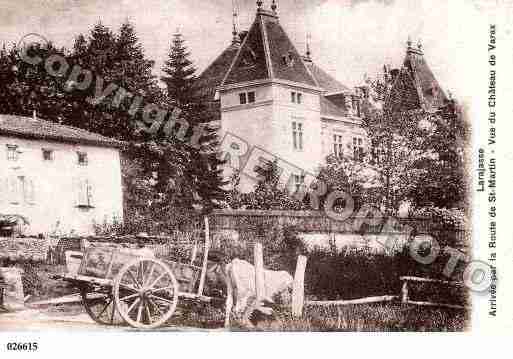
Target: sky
column 349, row 38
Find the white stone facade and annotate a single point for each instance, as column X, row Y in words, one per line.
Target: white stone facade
column 56, row 192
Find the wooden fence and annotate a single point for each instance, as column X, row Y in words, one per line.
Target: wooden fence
column 403, row 297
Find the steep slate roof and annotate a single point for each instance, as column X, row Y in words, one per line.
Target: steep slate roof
column 214, row 74
column 27, row 127
column 260, row 57
column 416, row 87
column 326, row 81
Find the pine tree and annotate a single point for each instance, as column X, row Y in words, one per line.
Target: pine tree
column 179, row 70
column 202, row 183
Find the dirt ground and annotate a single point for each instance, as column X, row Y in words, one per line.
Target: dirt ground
column 65, row 319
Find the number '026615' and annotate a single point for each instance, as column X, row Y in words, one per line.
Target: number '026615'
column 25, row 347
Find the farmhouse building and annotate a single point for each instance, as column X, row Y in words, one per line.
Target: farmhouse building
column 62, row 179
column 270, row 96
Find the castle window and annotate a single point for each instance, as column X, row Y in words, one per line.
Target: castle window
column 251, row 97
column 358, row 152
column 242, row 98
column 338, row 146
column 297, row 135
column 299, row 181
column 378, row 155
column 296, row 97
column 247, row 97
column 12, row 153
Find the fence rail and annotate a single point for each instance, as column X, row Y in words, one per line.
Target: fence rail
column 403, row 297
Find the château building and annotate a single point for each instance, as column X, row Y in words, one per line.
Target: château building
column 271, row 96
column 268, row 95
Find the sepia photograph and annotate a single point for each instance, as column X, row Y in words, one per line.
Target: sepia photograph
column 243, row 166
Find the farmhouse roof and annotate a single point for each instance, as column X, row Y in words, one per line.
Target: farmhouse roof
column 30, row 128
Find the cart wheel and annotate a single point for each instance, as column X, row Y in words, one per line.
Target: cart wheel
column 146, row 293
column 100, row 307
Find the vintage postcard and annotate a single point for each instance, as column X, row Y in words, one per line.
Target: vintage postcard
column 171, row 166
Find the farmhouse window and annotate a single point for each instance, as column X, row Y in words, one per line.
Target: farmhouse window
column 12, row 153
column 84, row 193
column 358, row 152
column 338, row 146
column 299, row 98
column 21, row 190
column 293, row 97
column 47, row 154
column 82, row 158
column 297, row 135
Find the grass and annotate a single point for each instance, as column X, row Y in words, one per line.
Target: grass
column 387, row 317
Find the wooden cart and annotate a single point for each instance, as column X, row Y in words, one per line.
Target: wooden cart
column 122, row 286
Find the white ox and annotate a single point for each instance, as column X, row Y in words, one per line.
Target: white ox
column 239, row 278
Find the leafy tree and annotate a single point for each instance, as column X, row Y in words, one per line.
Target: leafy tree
column 25, row 88
column 444, row 183
column 344, row 174
column 269, row 193
column 416, row 156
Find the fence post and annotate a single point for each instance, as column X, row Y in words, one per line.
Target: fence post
column 258, row 260
column 205, row 257
column 298, row 289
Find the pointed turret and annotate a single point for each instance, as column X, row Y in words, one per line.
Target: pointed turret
column 415, row 86
column 268, row 53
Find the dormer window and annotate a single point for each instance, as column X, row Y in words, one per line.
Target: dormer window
column 82, row 158
column 13, row 153
column 288, row 59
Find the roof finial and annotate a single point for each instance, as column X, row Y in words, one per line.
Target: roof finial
column 409, row 42
column 274, row 6
column 259, row 3
column 234, row 23
column 308, row 52
column 419, row 45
